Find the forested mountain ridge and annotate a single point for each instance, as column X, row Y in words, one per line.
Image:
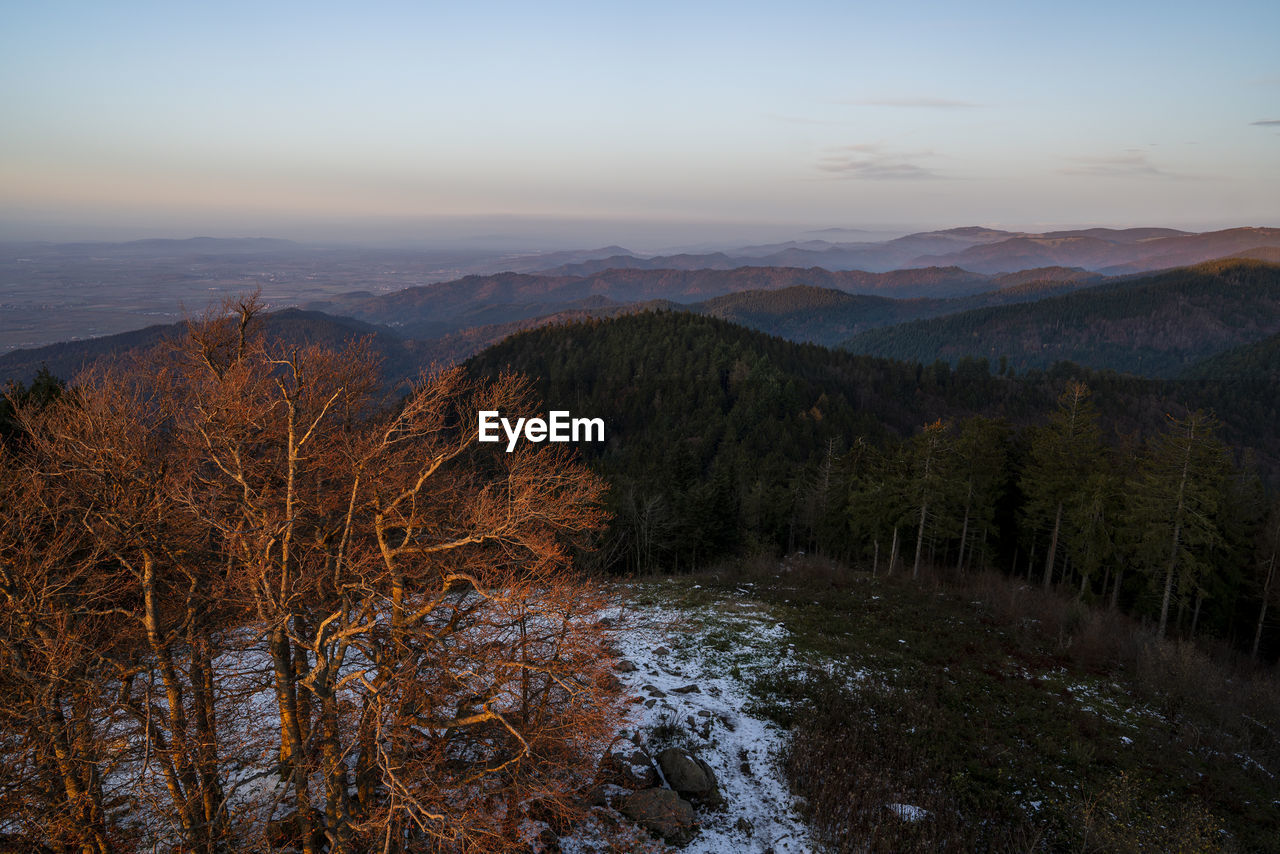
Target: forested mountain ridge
column 695, row 403
column 444, row 323
column 1158, row 325
column 447, row 303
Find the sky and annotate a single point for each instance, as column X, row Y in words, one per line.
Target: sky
column 391, row 121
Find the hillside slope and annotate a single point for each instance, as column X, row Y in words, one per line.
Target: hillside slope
column 1157, row 326
column 291, row 327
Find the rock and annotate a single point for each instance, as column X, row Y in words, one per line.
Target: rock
column 648, row 704
column 687, row 689
column 595, row 797
column 654, row 691
column 662, row 650
column 690, row 776
column 607, row 817
column 632, row 770
column 625, row 666
column 663, row 813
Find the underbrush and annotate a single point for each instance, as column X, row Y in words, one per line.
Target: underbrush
column 1008, row 719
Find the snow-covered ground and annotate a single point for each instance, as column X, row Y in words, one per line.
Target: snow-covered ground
column 718, row 649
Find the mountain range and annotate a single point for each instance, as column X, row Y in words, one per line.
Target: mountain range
column 1154, row 325
column 976, row 249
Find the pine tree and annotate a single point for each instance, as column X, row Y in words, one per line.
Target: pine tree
column 1091, row 541
column 930, row 487
column 982, row 456
column 1062, row 456
column 1176, row 499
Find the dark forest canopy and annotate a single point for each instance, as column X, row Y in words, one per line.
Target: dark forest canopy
column 722, row 440
column 1156, row 326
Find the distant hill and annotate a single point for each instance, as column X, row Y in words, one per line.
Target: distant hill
column 1153, row 326
column 449, row 321
column 438, row 309
column 288, row 327
column 1257, row 362
column 801, row 313
column 1110, row 251
column 1035, row 275
column 805, row 313
column 1105, row 251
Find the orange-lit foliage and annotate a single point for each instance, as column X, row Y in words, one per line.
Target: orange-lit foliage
column 222, row 523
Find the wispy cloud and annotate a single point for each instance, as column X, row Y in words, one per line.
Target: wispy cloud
column 870, row 162
column 1131, row 164
column 915, row 102
column 1266, row 123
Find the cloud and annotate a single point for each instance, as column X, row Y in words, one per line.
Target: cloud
column 1131, row 164
column 916, row 102
column 1266, row 123
column 869, row 162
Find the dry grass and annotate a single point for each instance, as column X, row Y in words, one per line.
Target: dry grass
column 1019, row 719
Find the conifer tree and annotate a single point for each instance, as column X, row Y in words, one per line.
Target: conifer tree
column 982, row 459
column 1062, row 455
column 1176, row 499
column 1095, row 511
column 929, row 454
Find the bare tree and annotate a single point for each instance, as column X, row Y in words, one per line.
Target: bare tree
column 438, row 674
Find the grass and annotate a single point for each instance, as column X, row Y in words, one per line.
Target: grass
column 1019, row 720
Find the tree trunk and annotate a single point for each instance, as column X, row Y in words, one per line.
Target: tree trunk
column 964, row 529
column 1177, row 534
column 189, row 806
column 85, row 799
column 203, row 703
column 1262, row 616
column 924, row 510
column 337, row 806
column 1053, row 548
column 893, row 553
column 293, row 765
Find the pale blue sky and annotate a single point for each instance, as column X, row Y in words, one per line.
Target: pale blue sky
column 131, row 118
